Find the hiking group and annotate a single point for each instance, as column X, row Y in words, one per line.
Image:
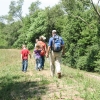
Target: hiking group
column 54, row 50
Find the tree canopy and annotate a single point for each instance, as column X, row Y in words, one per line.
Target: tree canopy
column 77, row 21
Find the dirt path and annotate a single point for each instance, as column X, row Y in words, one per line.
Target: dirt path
column 58, row 90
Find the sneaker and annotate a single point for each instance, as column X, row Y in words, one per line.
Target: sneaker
column 39, row 69
column 59, row 75
column 42, row 68
column 52, row 74
column 24, row 71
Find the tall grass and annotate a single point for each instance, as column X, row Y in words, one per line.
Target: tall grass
column 39, row 85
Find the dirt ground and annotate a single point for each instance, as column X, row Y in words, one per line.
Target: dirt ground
column 58, row 90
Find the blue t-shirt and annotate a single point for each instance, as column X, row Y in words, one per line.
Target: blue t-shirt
column 51, row 39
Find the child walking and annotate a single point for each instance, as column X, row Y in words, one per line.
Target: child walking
column 24, row 57
column 37, row 52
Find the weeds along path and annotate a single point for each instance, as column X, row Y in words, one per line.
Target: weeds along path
column 39, row 85
column 57, row 88
column 71, row 86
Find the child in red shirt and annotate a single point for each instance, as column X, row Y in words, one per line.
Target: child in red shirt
column 24, row 57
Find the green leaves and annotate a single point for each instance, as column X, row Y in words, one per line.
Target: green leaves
column 34, row 7
column 81, row 35
column 15, row 9
column 75, row 20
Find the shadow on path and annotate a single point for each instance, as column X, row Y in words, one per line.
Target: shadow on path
column 13, row 90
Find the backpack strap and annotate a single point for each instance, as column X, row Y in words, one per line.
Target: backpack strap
column 53, row 42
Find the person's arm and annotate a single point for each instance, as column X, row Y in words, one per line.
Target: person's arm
column 21, row 56
column 29, row 53
column 49, row 47
column 63, row 50
column 48, row 50
column 33, row 51
column 45, row 48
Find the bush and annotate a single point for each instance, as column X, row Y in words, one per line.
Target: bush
column 82, row 63
column 30, row 45
column 97, row 68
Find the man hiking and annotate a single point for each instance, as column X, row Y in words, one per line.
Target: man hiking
column 55, row 48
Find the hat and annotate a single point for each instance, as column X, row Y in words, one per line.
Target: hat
column 54, row 31
column 43, row 37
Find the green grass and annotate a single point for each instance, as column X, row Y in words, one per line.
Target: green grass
column 39, row 85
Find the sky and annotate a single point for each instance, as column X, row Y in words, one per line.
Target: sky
column 4, row 5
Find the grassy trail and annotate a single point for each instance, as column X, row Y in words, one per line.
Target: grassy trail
column 39, row 85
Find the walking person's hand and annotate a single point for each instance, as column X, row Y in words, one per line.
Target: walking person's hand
column 47, row 55
column 30, row 56
column 63, row 53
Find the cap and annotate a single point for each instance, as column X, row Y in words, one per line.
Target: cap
column 54, row 31
column 43, row 37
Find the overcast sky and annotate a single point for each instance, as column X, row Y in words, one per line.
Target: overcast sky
column 4, row 5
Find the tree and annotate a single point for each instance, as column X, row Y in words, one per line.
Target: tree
column 38, row 27
column 54, row 19
column 34, row 7
column 80, row 34
column 96, row 7
column 11, row 32
column 15, row 10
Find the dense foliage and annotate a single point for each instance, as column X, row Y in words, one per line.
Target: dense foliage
column 77, row 21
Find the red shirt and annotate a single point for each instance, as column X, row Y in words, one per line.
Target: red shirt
column 43, row 45
column 25, row 53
